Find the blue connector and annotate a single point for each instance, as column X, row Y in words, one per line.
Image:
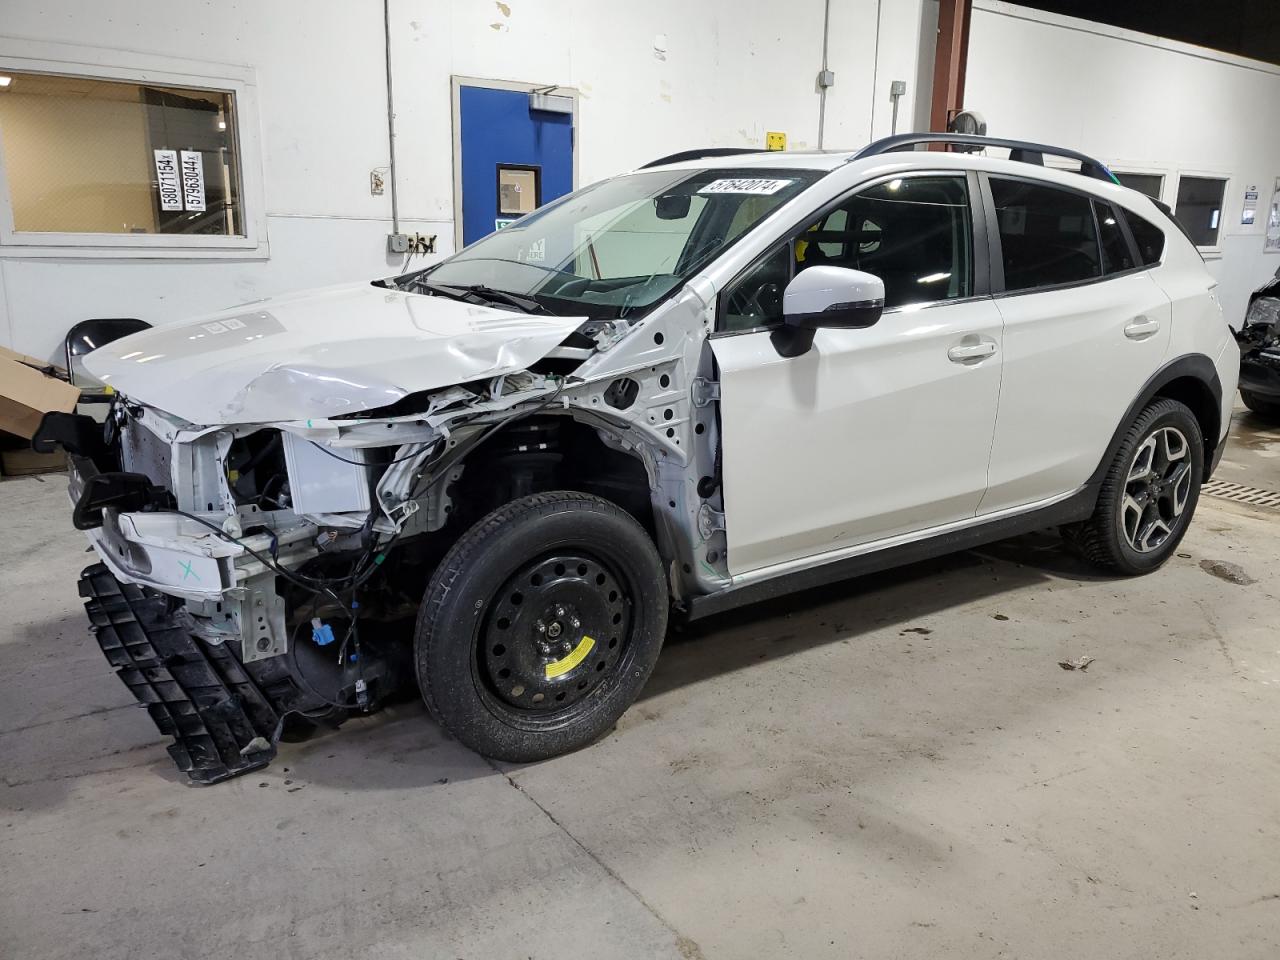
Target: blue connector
column 321, row 633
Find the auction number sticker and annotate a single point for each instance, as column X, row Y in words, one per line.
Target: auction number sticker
column 745, row 185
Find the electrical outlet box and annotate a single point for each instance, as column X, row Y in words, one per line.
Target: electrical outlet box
column 897, row 88
column 397, row 243
column 826, row 78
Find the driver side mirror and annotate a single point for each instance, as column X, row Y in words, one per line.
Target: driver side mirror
column 823, row 296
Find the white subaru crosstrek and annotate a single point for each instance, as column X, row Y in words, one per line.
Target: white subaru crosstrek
column 716, row 379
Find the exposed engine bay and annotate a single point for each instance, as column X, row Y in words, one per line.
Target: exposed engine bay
column 260, row 580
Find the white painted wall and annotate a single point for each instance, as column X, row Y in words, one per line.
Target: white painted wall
column 730, row 71
column 1138, row 103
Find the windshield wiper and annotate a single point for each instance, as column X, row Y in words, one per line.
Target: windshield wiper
column 527, row 304
column 479, row 293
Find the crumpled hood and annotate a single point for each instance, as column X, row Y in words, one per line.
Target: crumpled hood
column 322, row 353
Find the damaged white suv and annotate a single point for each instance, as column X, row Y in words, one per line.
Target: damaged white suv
column 716, row 379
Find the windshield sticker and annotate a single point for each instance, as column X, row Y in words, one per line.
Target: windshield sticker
column 537, row 251
column 745, row 185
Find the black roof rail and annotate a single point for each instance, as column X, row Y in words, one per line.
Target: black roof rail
column 1019, row 150
column 684, row 155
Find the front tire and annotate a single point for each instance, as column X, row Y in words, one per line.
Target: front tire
column 1148, row 495
column 541, row 626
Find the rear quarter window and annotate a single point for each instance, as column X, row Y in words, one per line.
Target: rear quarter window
column 1148, row 237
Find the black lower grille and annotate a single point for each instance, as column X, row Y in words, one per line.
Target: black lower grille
column 222, row 722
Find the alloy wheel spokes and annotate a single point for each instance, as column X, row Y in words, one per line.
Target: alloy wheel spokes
column 1180, row 487
column 1144, row 460
column 1157, row 488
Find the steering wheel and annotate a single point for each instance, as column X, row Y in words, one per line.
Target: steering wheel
column 764, row 300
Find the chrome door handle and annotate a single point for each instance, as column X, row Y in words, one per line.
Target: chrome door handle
column 969, row 352
column 1140, row 328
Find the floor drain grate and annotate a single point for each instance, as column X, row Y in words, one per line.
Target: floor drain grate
column 1238, row 492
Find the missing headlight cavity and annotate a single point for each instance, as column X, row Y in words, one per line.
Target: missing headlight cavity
column 622, row 393
column 256, row 472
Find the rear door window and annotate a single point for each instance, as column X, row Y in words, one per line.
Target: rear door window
column 1047, row 235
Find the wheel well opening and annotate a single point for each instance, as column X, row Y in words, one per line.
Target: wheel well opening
column 1198, row 397
column 551, row 452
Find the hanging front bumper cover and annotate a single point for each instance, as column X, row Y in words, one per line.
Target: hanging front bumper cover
column 222, row 720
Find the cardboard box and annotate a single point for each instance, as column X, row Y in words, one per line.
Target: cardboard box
column 44, row 366
column 26, row 395
column 23, row 463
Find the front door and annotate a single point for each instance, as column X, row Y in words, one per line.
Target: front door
column 873, row 433
column 516, row 153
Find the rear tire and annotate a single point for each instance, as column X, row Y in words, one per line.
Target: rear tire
column 1148, row 495
column 1262, row 406
column 540, row 626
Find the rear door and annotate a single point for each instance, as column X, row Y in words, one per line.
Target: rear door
column 1085, row 326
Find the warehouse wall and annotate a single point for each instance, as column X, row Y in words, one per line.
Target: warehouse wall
column 653, row 78
column 1139, row 103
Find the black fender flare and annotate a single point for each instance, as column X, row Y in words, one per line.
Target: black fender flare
column 1196, row 366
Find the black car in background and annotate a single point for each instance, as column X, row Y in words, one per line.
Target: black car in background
column 1259, row 340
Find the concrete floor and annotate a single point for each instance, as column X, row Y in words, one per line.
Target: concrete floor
column 1253, row 451
column 892, row 767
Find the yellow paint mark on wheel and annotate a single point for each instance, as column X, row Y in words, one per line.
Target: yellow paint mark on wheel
column 575, row 656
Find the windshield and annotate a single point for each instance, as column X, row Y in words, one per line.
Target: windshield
column 620, row 246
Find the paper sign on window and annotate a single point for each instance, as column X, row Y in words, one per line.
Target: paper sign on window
column 192, row 180
column 745, row 185
column 167, row 179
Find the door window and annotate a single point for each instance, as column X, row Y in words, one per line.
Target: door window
column 914, row 233
column 517, row 190
column 1047, row 235
column 1115, row 248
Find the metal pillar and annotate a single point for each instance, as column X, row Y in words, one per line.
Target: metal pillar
column 950, row 59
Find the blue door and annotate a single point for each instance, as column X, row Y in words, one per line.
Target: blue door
column 514, row 158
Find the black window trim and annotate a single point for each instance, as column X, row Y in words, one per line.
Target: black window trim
column 998, row 290
column 978, row 238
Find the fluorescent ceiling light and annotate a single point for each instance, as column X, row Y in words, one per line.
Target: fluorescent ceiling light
column 933, row 278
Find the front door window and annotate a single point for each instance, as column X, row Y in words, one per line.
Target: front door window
column 914, row 233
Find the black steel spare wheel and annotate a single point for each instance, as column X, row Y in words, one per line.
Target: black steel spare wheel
column 541, row 626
